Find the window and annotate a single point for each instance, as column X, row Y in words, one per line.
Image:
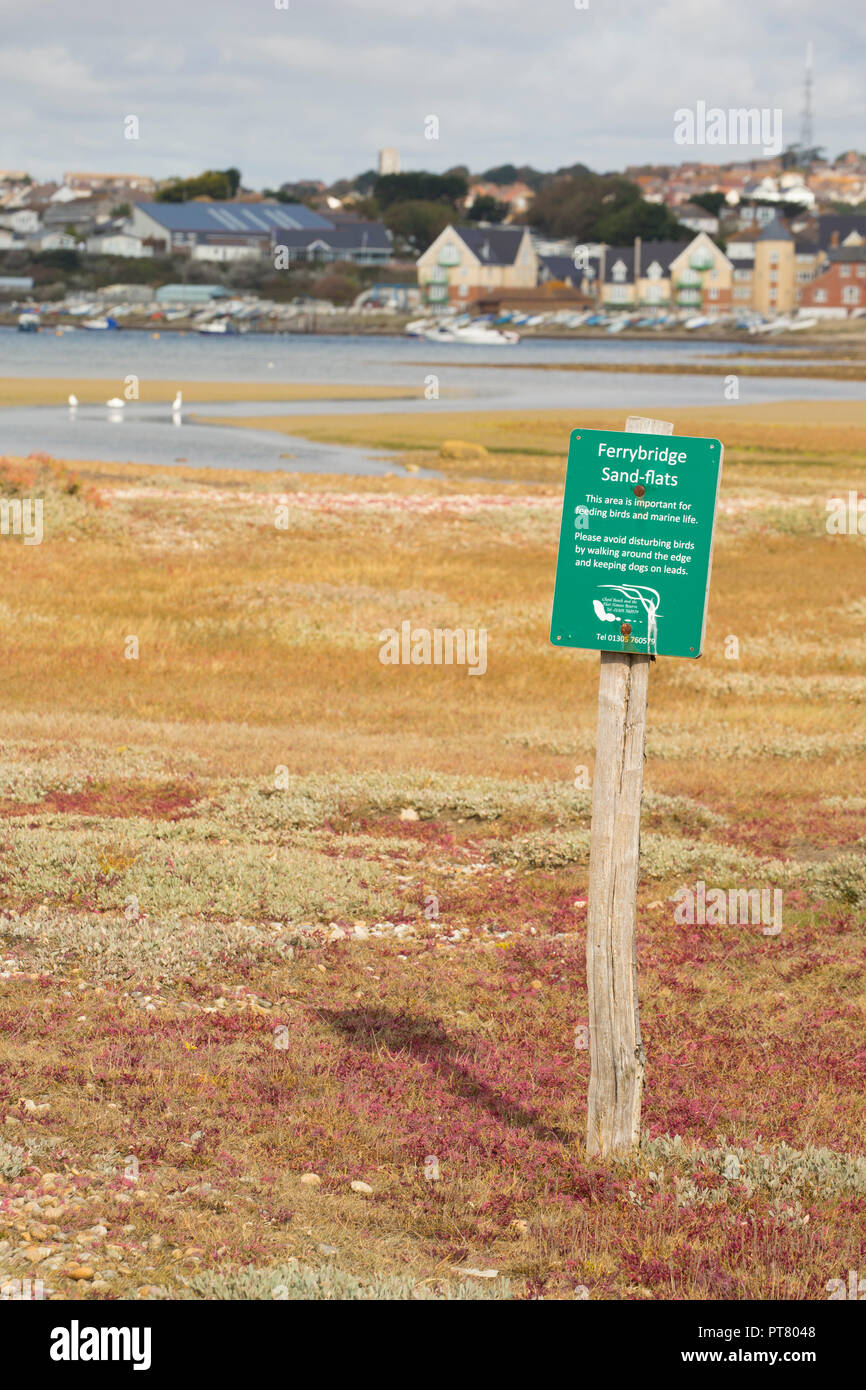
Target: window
column 861, row 272
column 851, row 294
column 619, row 272
column 820, row 296
column 845, row 272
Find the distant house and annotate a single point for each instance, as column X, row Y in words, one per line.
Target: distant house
column 774, row 287
column 694, row 275
column 697, row 219
column 230, row 231
column 112, row 240
column 840, row 289
column 741, row 245
column 766, row 264
column 560, row 270
column 364, row 243
column 249, row 226
column 840, row 229
column 465, row 263
column 80, row 213
column 24, row 221
column 109, row 182
column 53, row 241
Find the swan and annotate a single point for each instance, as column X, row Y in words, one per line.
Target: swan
column 115, row 403
column 178, row 401
column 73, row 401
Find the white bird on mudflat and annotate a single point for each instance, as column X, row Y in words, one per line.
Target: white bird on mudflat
column 73, row 401
column 178, row 401
column 115, row 403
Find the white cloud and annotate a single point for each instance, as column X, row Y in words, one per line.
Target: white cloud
column 315, row 90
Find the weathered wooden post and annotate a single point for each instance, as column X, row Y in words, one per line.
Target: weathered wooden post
column 668, row 520
column 617, row 1058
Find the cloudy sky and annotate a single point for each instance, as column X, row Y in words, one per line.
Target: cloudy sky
column 316, row 89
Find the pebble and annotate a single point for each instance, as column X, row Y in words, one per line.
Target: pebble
column 311, row 1180
column 363, row 1187
column 79, row 1272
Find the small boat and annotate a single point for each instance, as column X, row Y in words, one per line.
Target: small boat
column 100, row 325
column 475, row 335
column 221, row 326
column 29, row 323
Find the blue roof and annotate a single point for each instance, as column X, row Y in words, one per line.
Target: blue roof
column 346, row 236
column 262, row 218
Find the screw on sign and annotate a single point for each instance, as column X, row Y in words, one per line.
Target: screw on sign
column 632, row 581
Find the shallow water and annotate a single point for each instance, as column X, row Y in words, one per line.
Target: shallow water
column 147, row 434
column 468, row 378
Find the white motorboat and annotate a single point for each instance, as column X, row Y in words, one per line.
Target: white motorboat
column 221, row 326
column 474, row 334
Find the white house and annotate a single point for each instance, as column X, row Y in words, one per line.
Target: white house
column 117, row 244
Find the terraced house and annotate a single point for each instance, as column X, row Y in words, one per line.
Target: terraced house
column 694, row 275
column 840, row 289
column 465, row 263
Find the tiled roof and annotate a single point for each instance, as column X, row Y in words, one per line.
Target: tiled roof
column 493, row 245
column 775, row 231
column 348, row 236
column 843, row 224
column 561, row 268
column 662, row 251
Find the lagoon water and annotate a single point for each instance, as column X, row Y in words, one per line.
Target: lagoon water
column 469, row 378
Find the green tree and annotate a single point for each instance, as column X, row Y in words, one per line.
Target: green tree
column 417, row 223
column 220, row 184
column 419, row 186
column 600, row 207
column 487, row 209
column 713, row 202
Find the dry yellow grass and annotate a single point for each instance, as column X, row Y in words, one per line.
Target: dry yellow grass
column 153, row 780
column 94, row 390
column 793, row 430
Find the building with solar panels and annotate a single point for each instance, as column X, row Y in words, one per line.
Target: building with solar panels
column 234, row 231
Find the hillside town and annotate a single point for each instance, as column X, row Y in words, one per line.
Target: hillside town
column 759, row 244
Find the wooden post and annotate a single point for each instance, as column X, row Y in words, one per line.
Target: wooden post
column 617, row 1058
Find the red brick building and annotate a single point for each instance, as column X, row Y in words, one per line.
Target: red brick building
column 841, row 287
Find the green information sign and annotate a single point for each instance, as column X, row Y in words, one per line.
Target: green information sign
column 636, row 543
